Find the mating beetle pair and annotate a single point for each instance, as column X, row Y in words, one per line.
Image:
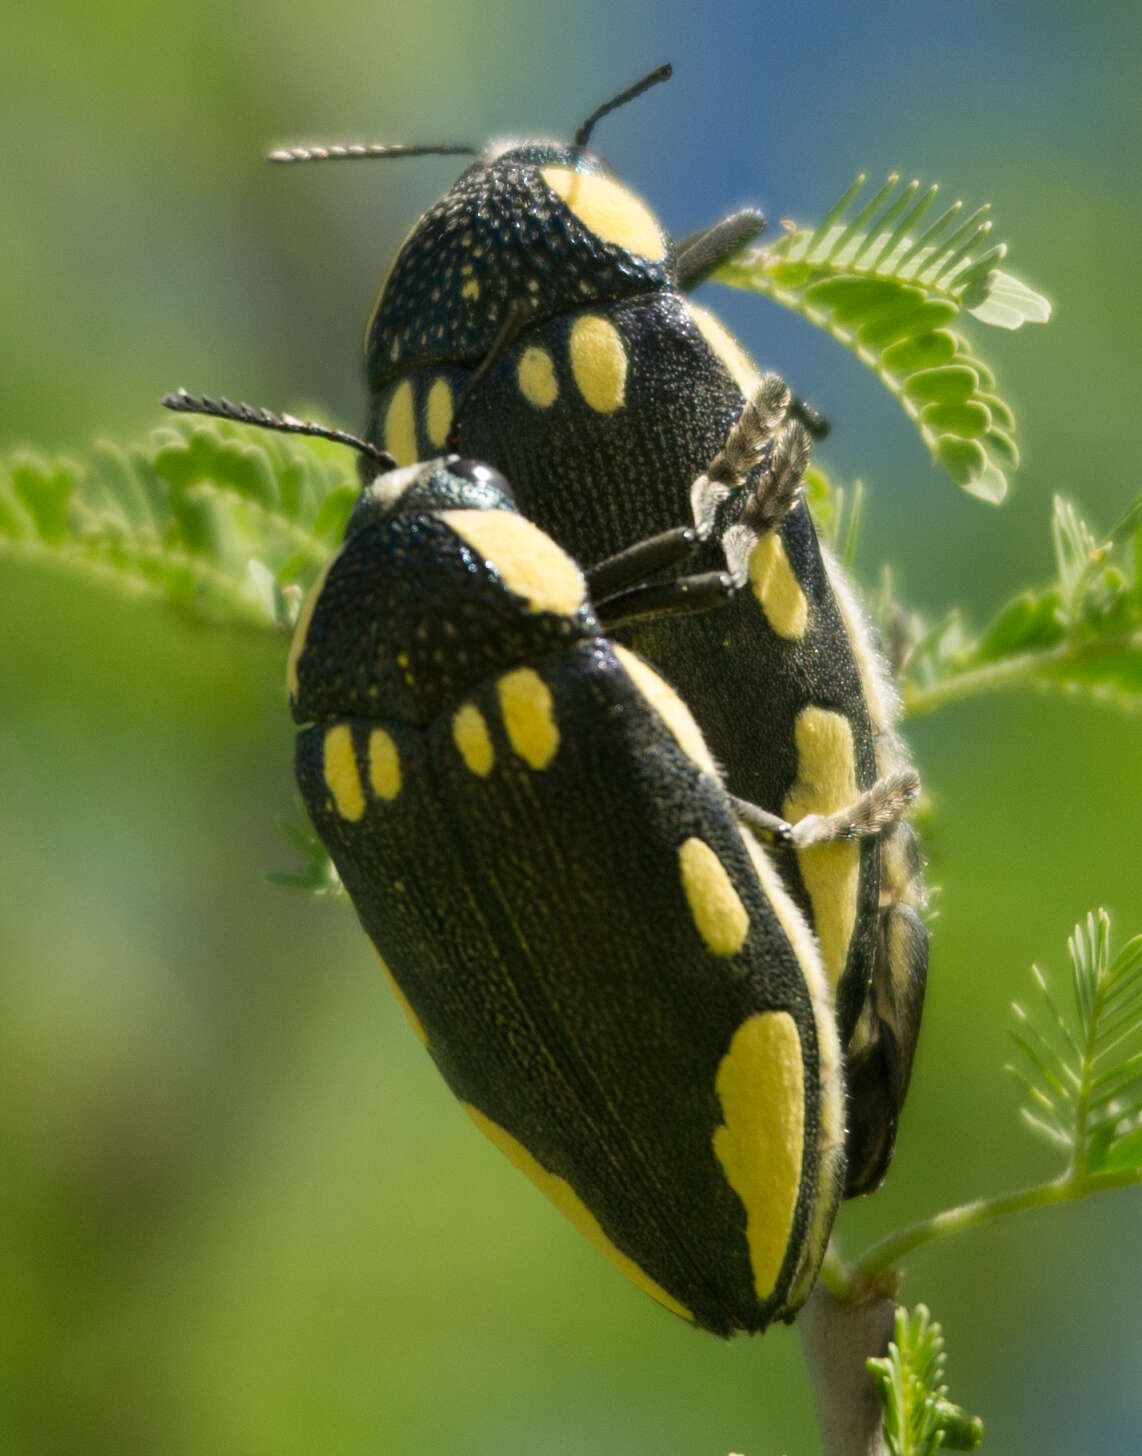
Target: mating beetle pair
column 538, row 318
column 574, row 902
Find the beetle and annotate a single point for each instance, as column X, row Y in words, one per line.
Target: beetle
column 539, row 315
column 580, row 922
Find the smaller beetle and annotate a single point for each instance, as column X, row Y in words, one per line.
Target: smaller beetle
column 576, row 917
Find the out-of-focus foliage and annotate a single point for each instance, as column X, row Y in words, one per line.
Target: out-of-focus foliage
column 238, row 1210
column 216, row 524
column 888, row 289
column 1081, row 633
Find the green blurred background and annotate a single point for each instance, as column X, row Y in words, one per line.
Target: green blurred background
column 240, row 1213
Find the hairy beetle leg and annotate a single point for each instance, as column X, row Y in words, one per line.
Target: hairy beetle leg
column 764, row 425
column 874, row 811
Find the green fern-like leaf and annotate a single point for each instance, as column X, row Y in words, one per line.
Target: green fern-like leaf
column 219, row 527
column 889, row 288
column 317, row 875
column 919, row 1420
column 1080, row 634
column 1083, row 1073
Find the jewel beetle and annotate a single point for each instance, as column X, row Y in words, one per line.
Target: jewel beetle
column 597, row 951
column 538, row 316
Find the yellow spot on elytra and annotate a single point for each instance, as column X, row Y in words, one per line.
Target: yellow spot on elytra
column 609, row 210
column 737, row 363
column 470, row 735
column 721, row 918
column 438, row 413
column 670, row 708
column 536, row 377
column 826, row 781
column 400, row 429
column 568, row 1202
column 526, row 703
column 777, row 589
column 402, row 1001
column 304, row 619
column 599, row 363
column 384, row 765
column 528, row 561
column 341, row 775
column 761, row 1086
column 471, row 289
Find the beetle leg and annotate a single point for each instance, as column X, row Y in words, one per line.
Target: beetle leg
column 876, row 810
column 880, row 1050
column 701, row 253
column 641, row 560
column 770, row 828
column 812, row 418
column 763, row 435
column 680, row 597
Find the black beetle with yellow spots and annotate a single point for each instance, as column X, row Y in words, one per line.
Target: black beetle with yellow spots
column 585, row 929
column 538, row 317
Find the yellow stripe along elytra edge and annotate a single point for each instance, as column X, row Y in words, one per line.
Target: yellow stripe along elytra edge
column 826, row 781
column 609, row 210
column 341, row 773
column 527, row 708
column 761, row 1086
column 400, row 425
column 733, row 358
column 669, row 707
column 528, row 560
column 402, row 1001
column 470, row 735
column 777, row 589
column 568, row 1202
column 599, row 363
column 535, row 375
column 718, row 913
column 384, row 765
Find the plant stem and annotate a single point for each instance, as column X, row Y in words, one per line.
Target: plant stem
column 837, row 1339
column 1020, row 670
column 881, row 1256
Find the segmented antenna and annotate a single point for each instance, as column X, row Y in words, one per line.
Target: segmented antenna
column 653, row 78
column 356, row 151
column 246, row 414
column 361, row 151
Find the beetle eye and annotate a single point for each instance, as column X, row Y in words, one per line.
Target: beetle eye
column 478, row 473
